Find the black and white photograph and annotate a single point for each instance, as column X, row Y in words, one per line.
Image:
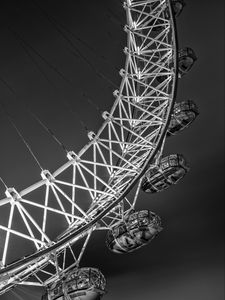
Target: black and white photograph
column 112, row 150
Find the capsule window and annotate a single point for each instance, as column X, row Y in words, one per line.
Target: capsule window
column 165, row 165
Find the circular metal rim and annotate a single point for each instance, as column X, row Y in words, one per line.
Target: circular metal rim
column 81, row 231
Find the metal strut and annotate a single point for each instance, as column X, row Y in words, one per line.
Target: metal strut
column 3, row 182
column 133, row 160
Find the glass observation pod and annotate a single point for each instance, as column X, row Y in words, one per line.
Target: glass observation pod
column 170, row 170
column 177, row 6
column 186, row 60
column 79, row 284
column 184, row 114
column 137, row 230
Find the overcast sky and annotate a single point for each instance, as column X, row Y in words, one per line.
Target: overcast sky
column 185, row 261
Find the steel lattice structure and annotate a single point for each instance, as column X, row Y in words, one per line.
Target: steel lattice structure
column 90, row 191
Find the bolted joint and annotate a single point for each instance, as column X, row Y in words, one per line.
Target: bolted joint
column 127, row 4
column 116, row 93
column 122, row 72
column 126, row 50
column 138, row 74
column 133, row 25
column 72, row 156
column 13, row 194
column 127, row 29
column 91, row 135
column 137, row 99
column 47, row 176
column 138, row 50
column 106, row 116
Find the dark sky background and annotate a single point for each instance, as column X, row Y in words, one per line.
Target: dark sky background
column 186, row 260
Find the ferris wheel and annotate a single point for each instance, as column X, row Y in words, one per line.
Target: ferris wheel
column 91, row 191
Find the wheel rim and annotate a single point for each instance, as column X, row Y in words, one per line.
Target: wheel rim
column 143, row 118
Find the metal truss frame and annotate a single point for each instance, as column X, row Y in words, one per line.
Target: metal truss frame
column 90, row 191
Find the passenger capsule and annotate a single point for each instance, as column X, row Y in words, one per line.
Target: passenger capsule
column 186, row 60
column 169, row 171
column 184, row 113
column 137, row 230
column 178, row 6
column 79, row 284
column 159, row 24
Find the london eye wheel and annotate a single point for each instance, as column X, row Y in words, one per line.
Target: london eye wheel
column 91, row 191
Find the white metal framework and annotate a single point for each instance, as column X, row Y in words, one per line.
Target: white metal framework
column 90, row 191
